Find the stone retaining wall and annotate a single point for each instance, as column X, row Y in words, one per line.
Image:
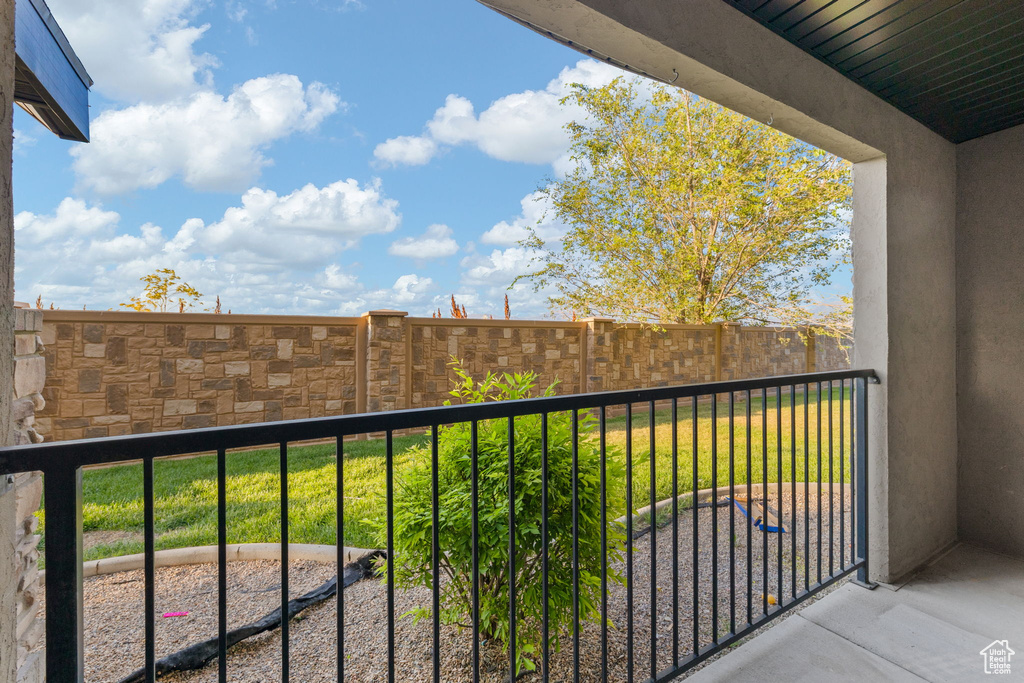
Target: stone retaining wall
column 113, row 372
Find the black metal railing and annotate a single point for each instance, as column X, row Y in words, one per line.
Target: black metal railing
column 713, row 595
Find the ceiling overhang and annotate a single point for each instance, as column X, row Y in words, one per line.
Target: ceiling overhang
column 956, row 66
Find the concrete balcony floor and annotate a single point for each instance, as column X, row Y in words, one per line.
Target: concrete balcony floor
column 932, row 628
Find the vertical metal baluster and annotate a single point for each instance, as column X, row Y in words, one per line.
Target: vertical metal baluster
column 544, row 625
column 284, row 563
column 675, row 532
column 339, row 472
column 792, row 477
column 778, row 464
column 842, row 476
column 696, row 532
column 831, row 492
column 853, row 471
column 575, row 547
column 222, row 566
column 389, row 466
column 512, row 646
column 150, row 568
column 732, row 512
column 807, row 487
column 435, row 551
column 652, row 498
column 62, row 491
column 764, row 498
column 862, row 478
column 475, row 541
column 818, row 435
column 714, row 518
column 604, row 547
column 629, row 543
column 750, row 557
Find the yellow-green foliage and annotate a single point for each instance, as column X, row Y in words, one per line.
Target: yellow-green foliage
column 679, row 210
column 164, row 288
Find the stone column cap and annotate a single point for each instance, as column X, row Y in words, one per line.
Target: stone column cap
column 597, row 319
column 388, row 312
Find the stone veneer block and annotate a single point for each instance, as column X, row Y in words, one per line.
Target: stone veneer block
column 179, row 407
column 29, row 375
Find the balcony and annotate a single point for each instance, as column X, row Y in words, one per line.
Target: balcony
column 775, row 512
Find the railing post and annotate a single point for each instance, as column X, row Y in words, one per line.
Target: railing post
column 64, row 650
column 861, row 494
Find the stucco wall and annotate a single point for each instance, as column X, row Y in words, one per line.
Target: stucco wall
column 990, row 310
column 8, row 577
column 904, row 264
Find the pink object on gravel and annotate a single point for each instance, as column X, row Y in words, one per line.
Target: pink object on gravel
column 175, row 614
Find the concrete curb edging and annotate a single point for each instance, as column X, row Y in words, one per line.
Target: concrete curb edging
column 207, row 554
column 706, row 495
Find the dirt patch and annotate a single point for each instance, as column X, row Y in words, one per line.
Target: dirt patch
column 91, row 539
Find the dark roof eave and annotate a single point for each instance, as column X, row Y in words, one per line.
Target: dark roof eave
column 58, row 35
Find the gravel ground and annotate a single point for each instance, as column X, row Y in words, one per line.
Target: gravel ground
column 114, row 604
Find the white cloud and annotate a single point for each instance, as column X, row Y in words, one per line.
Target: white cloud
column 271, row 253
column 527, row 127
column 212, row 142
column 436, row 242
column 335, row 279
column 342, row 294
column 500, row 268
column 138, row 50
column 409, row 289
column 309, row 225
column 405, row 150
column 72, row 218
column 537, row 214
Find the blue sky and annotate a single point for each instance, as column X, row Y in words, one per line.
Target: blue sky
column 297, row 156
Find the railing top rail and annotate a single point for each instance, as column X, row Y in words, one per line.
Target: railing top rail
column 62, row 454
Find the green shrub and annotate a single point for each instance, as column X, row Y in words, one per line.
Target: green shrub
column 413, row 519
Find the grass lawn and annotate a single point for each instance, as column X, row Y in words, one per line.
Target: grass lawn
column 186, row 495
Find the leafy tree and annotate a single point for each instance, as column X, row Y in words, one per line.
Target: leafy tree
column 679, row 210
column 164, row 288
column 413, row 521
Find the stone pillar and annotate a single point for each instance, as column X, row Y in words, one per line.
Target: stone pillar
column 29, row 380
column 29, row 375
column 730, row 352
column 8, row 512
column 598, row 345
column 387, row 361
